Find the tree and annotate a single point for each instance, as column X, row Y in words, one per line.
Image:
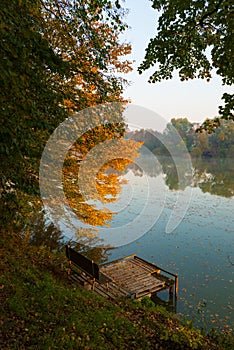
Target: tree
column 194, row 37
column 57, row 57
column 184, row 128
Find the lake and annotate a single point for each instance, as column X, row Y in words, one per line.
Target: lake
column 179, row 218
column 199, row 249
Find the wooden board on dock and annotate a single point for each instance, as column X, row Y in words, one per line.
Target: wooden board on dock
column 137, row 276
column 131, row 277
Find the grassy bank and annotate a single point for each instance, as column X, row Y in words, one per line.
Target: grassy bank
column 41, row 309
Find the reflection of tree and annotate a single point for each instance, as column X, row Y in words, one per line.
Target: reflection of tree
column 101, row 175
column 214, row 176
column 152, row 140
column 101, row 179
column 41, row 232
column 212, row 155
column 148, row 164
column 170, row 169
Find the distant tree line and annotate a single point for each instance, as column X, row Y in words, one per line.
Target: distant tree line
column 199, row 144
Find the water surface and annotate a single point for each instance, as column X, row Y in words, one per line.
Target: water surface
column 200, row 249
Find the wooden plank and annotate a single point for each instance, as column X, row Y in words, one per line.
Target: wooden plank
column 122, row 275
column 122, row 271
column 129, row 281
column 132, row 281
column 144, row 266
column 118, row 277
column 81, row 281
column 112, row 291
column 146, row 285
column 168, row 281
column 119, row 290
column 142, row 281
column 138, row 273
column 128, row 269
column 99, row 291
column 116, row 292
column 148, row 292
column 146, row 281
column 112, row 294
column 117, row 267
column 77, row 279
column 143, row 294
column 160, row 268
column 141, row 262
column 150, row 288
column 151, row 284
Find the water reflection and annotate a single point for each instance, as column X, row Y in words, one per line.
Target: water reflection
column 98, row 184
column 41, row 232
column 214, row 176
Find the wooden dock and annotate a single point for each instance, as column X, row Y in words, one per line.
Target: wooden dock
column 139, row 277
column 129, row 277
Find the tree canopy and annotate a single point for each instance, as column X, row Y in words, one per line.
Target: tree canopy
column 194, row 37
column 57, row 58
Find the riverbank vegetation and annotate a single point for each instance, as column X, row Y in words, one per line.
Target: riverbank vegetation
column 41, row 309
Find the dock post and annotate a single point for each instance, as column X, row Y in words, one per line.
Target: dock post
column 176, row 285
column 171, row 294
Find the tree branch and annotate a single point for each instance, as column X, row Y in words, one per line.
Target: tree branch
column 208, row 14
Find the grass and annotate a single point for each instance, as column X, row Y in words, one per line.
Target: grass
column 41, row 309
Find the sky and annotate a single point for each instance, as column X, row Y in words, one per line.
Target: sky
column 195, row 99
